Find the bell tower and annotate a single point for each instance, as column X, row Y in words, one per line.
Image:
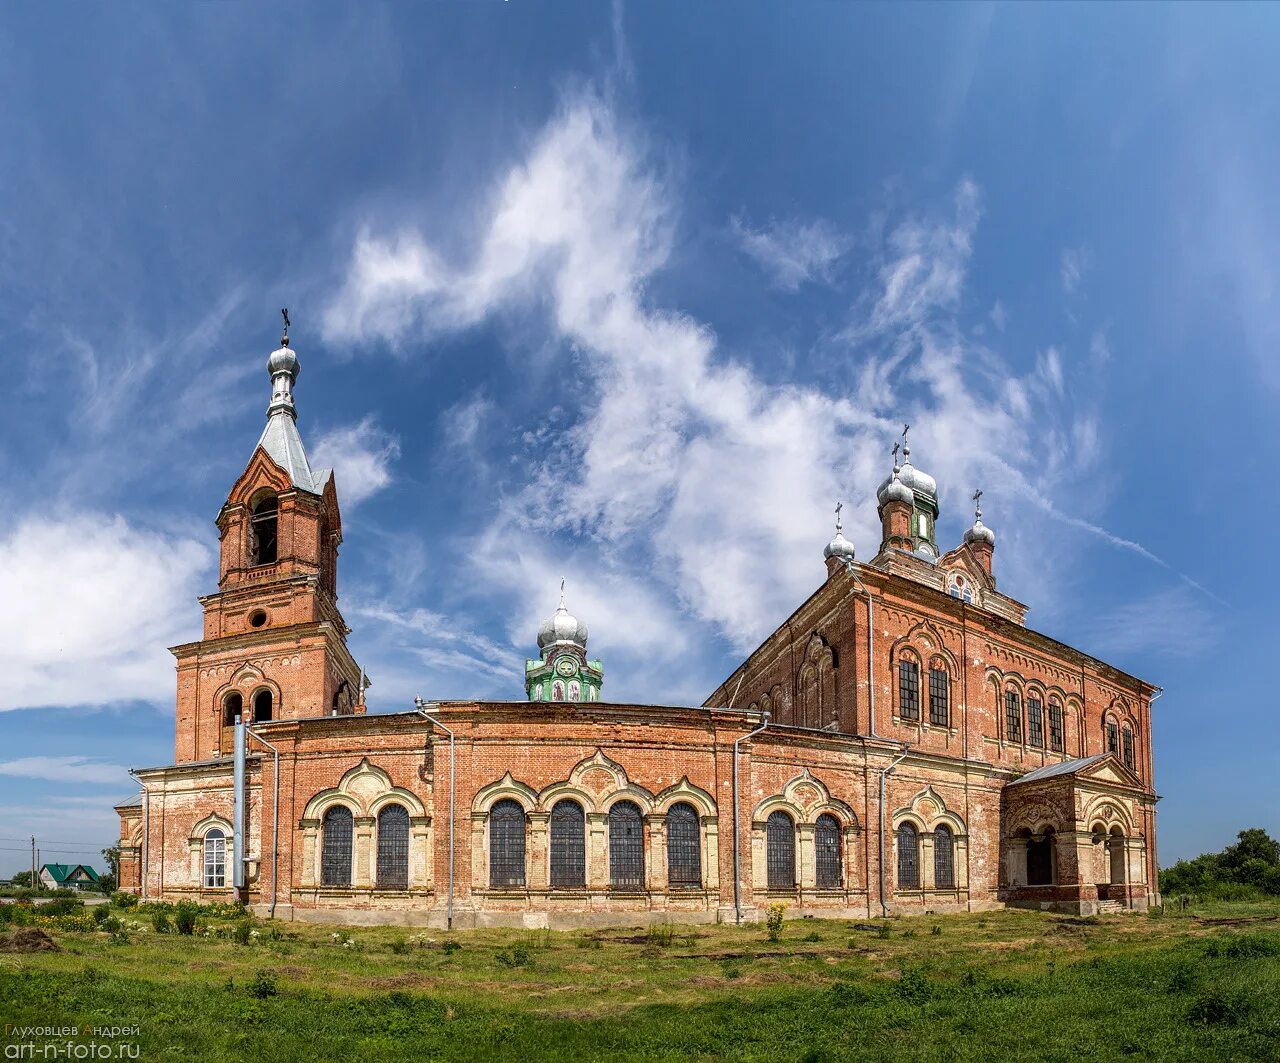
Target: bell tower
column 274, row 644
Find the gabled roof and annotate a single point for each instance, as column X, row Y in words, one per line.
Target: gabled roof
column 1082, row 766
column 62, row 872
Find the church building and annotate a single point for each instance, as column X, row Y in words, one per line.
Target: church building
column 901, row 743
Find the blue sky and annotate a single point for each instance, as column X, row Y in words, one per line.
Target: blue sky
column 631, row 296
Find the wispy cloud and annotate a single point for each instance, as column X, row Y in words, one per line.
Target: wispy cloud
column 67, row 770
column 1172, row 622
column 1075, row 262
column 792, row 252
column 360, row 456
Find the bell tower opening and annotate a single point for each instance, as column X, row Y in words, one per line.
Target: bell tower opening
column 265, row 530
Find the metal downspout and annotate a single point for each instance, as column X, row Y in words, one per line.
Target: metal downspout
column 275, row 818
column 737, row 874
column 420, row 705
column 146, row 829
column 884, row 908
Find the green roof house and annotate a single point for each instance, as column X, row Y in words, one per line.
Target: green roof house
column 68, row 876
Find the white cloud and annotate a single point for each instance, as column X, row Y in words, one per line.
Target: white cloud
column 360, row 456
column 67, row 770
column 999, row 316
column 90, row 605
column 1075, row 261
column 793, row 252
column 1172, row 622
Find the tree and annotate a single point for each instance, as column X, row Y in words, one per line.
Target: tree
column 111, row 879
column 1252, row 864
column 22, row 878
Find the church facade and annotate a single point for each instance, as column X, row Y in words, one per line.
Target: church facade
column 902, row 743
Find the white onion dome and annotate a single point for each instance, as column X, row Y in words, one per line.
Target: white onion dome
column 894, row 490
column 920, row 482
column 840, row 548
column 283, row 360
column 980, row 533
column 562, row 626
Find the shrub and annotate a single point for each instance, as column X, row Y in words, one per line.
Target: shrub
column 660, row 936
column 242, row 933
column 101, row 913
column 773, row 916
column 184, row 917
column 914, row 985
column 62, row 905
column 450, row 946
column 936, row 931
column 813, row 935
column 160, row 923
column 399, row 946
column 262, row 986
column 124, row 900
column 518, row 956
column 1215, row 1010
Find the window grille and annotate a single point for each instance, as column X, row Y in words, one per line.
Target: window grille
column 1113, row 737
column 506, row 844
column 944, row 859
column 780, row 851
column 908, row 689
column 1012, row 716
column 939, row 698
column 393, row 848
column 626, row 846
column 908, row 858
column 1128, row 749
column 684, row 847
column 215, row 859
column 1035, row 722
column 568, row 845
column 826, row 840
column 335, row 847
column 1055, row 724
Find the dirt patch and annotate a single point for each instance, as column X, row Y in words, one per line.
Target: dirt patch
column 397, row 981
column 27, row 939
column 580, row 968
column 1242, row 921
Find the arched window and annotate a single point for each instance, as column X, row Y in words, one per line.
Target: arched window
column 908, row 857
column 232, row 707
column 908, row 689
column 944, row 858
column 1040, row 859
column 1035, row 722
column 264, row 523
column 557, row 691
column 262, row 706
column 215, row 860
column 1113, row 737
column 335, row 847
column 939, row 695
column 1127, row 746
column 393, row 848
column 780, row 851
column 826, row 839
column 684, row 847
column 506, row 844
column 626, row 846
column 1012, row 716
column 575, row 690
column 568, row 845
column 1055, row 725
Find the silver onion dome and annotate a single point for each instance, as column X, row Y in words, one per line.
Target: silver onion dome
column 283, row 360
column 980, row 533
column 840, row 548
column 894, row 490
column 920, row 482
column 562, row 626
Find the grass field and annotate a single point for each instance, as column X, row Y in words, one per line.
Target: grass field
column 1003, row 985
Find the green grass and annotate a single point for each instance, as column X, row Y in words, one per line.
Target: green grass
column 1007, row 985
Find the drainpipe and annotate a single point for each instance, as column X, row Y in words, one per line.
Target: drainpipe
column 146, row 828
column 871, row 650
column 238, row 814
column 275, row 817
column 421, row 707
column 737, row 875
column 884, row 908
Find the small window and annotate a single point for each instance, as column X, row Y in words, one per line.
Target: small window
column 1012, row 716
column 684, row 847
column 944, row 861
column 908, row 857
column 215, row 860
column 506, row 844
column 557, row 691
column 393, row 848
column 1055, row 725
column 1128, row 748
column 1035, row 722
column 262, row 706
column 568, row 845
column 232, row 707
column 257, row 618
column 826, row 840
column 263, row 525
column 575, row 690
column 908, row 689
column 1113, row 737
column 626, row 846
column 939, row 698
column 335, row 847
column 780, row 851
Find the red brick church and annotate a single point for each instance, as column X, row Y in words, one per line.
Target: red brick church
column 903, row 742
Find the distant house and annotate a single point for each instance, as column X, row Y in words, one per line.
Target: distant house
column 68, row 876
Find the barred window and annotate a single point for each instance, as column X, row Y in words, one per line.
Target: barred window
column 215, row 859
column 506, row 844
column 568, row 845
column 908, row 857
column 1035, row 722
column 1128, row 748
column 1055, row 724
column 827, row 842
column 780, row 851
column 1012, row 716
column 626, row 846
column 393, row 848
column 335, row 847
column 684, row 847
column 944, row 862
column 908, row 689
column 1113, row 737
column 939, row 698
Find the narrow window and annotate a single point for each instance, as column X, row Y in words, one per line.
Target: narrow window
column 684, row 847
column 231, row 708
column 506, row 844
column 626, row 846
column 908, row 689
column 1055, row 724
column 568, row 845
column 939, row 698
column 1113, row 737
column 780, row 851
column 908, row 858
column 944, row 862
column 335, row 847
column 1012, row 716
column 575, row 690
column 393, row 848
column 262, row 706
column 215, row 859
column 264, row 523
column 826, row 839
column 557, row 691
column 1128, row 748
column 1035, row 722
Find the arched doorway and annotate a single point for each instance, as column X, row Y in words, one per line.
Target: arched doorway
column 1040, row 858
column 1116, row 858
